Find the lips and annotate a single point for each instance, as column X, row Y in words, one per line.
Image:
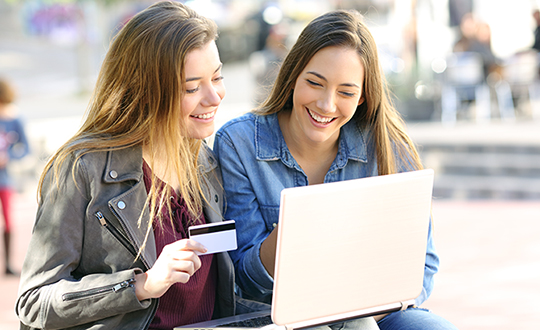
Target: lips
column 204, row 115
column 319, row 119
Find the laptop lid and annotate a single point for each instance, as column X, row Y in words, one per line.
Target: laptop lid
column 351, row 248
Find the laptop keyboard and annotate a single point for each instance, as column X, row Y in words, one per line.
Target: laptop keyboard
column 256, row 322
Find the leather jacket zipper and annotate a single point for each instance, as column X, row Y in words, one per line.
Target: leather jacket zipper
column 101, row 290
column 105, row 223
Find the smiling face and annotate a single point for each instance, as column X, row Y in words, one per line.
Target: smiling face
column 203, row 90
column 326, row 94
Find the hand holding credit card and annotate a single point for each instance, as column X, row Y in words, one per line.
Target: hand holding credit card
column 216, row 237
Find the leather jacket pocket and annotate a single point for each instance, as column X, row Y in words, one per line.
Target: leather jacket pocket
column 115, row 232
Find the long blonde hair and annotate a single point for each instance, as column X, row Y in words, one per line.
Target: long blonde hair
column 346, row 29
column 137, row 100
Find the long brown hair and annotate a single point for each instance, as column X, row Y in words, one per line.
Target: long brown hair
column 137, row 99
column 346, row 29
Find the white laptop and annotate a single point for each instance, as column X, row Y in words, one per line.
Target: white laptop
column 345, row 250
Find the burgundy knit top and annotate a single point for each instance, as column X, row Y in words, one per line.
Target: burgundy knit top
column 182, row 303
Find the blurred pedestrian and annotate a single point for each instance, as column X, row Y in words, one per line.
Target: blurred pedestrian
column 264, row 64
column 476, row 38
column 109, row 248
column 536, row 16
column 13, row 145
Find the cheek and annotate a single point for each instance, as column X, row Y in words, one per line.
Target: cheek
column 302, row 96
column 187, row 106
column 348, row 109
column 221, row 90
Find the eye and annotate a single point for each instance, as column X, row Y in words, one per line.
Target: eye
column 313, row 83
column 191, row 91
column 347, row 94
column 218, row 79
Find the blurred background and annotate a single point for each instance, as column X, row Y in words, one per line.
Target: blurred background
column 464, row 74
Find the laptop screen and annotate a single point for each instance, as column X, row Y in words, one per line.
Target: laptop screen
column 352, row 247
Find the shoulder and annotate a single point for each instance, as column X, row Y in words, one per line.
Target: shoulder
column 238, row 125
column 207, row 158
column 110, row 165
column 77, row 165
column 357, row 132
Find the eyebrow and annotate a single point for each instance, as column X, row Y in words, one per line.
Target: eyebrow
column 320, row 76
column 199, row 78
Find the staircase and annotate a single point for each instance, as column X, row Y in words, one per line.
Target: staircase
column 492, row 161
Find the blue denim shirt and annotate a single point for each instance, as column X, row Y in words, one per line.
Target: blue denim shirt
column 256, row 165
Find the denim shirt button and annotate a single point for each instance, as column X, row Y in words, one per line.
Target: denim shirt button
column 121, row 205
column 113, row 174
column 274, row 225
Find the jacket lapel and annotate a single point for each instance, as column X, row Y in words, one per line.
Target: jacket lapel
column 130, row 207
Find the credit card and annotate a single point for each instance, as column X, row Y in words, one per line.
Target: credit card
column 216, row 237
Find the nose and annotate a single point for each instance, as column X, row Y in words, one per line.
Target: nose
column 326, row 103
column 214, row 95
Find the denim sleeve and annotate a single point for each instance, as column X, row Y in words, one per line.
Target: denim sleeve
column 243, row 207
column 432, row 259
column 431, row 267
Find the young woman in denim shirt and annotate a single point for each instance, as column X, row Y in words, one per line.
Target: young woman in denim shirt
column 328, row 118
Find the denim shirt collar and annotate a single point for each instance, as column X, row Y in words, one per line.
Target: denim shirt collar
column 267, row 129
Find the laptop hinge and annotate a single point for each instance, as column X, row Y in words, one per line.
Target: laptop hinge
column 404, row 305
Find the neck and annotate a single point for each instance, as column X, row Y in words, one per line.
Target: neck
column 157, row 161
column 6, row 110
column 300, row 145
column 315, row 158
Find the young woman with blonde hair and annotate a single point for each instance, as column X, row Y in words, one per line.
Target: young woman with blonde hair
column 115, row 201
column 328, row 118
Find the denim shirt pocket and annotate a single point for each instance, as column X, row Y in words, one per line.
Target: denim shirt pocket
column 271, row 216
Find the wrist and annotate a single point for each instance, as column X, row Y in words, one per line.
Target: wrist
column 140, row 291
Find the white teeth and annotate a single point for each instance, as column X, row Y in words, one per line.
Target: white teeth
column 204, row 116
column 322, row 120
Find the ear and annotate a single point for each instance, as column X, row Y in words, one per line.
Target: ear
column 362, row 99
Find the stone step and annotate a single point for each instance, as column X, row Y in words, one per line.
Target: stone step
column 448, row 147
column 473, row 186
column 484, row 164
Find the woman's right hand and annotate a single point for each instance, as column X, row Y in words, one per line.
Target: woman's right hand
column 176, row 264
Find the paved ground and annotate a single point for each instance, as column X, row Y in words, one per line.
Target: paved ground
column 490, row 263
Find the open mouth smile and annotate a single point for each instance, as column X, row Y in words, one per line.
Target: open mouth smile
column 319, row 119
column 205, row 115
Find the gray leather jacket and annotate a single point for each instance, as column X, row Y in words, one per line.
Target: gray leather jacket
column 80, row 265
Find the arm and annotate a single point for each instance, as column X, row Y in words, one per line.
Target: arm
column 243, row 206
column 268, row 252
column 76, row 272
column 55, row 290
column 432, row 259
column 431, row 267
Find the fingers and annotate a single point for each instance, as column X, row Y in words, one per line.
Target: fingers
column 182, row 256
column 176, row 263
column 186, row 245
column 181, row 260
column 187, row 262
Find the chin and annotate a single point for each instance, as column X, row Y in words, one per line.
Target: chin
column 201, row 134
